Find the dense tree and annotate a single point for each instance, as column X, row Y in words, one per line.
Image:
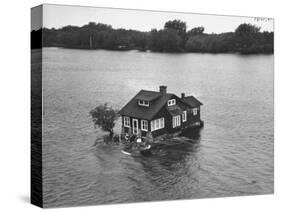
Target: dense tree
column 210, row 43
column 104, row 117
column 173, row 37
column 246, row 29
column 166, row 40
column 196, row 31
column 179, row 27
column 246, row 35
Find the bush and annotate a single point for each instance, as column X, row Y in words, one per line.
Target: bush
column 104, row 117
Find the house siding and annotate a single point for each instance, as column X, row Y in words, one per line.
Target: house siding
column 175, row 129
column 129, row 130
column 191, row 118
column 163, row 113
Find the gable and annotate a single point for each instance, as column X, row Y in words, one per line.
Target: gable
column 180, row 106
column 191, row 101
column 172, row 110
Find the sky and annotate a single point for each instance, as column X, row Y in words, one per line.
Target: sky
column 56, row 16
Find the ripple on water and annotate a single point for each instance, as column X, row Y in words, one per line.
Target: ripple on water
column 231, row 155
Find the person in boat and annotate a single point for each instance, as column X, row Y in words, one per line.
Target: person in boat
column 142, row 143
column 126, row 137
column 137, row 144
column 138, row 140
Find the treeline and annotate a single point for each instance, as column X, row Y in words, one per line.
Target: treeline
column 174, row 37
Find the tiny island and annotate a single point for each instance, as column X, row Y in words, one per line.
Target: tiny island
column 149, row 117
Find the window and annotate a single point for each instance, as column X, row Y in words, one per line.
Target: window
column 144, row 103
column 184, row 116
column 195, row 110
column 126, row 121
column 157, row 124
column 144, row 125
column 135, row 126
column 153, row 125
column 161, row 123
column 176, row 121
column 171, row 102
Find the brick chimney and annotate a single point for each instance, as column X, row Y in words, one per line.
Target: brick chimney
column 182, row 95
column 163, row 89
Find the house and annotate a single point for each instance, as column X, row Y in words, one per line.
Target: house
column 152, row 113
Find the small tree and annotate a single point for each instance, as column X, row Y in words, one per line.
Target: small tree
column 104, row 117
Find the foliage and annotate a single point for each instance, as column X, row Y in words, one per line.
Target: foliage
column 247, row 35
column 174, row 37
column 104, row 117
column 179, row 27
column 210, row 43
column 166, row 40
column 246, row 29
column 196, row 31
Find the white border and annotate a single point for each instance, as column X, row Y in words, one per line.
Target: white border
column 15, row 104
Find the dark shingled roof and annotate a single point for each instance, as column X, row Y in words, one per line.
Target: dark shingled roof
column 147, row 95
column 191, row 101
column 158, row 100
column 175, row 110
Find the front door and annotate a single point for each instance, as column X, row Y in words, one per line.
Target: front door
column 135, row 126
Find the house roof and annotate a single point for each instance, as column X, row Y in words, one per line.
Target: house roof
column 158, row 101
column 191, row 101
column 175, row 110
column 147, row 95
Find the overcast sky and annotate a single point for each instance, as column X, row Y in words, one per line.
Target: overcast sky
column 58, row 16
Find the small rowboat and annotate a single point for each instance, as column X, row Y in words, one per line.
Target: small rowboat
column 137, row 148
column 146, row 150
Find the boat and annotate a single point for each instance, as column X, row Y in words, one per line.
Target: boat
column 146, row 150
column 137, row 147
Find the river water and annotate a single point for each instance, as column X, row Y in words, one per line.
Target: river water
column 232, row 155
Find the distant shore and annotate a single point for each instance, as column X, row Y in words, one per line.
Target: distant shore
column 149, row 51
column 246, row 39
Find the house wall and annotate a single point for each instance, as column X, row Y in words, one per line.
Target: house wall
column 161, row 114
column 168, row 121
column 170, row 128
column 191, row 118
column 129, row 130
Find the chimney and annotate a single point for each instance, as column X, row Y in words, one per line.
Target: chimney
column 182, row 95
column 163, row 89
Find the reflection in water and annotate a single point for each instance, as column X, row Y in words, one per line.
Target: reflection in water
column 171, row 161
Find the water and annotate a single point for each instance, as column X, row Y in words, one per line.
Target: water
column 232, row 155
